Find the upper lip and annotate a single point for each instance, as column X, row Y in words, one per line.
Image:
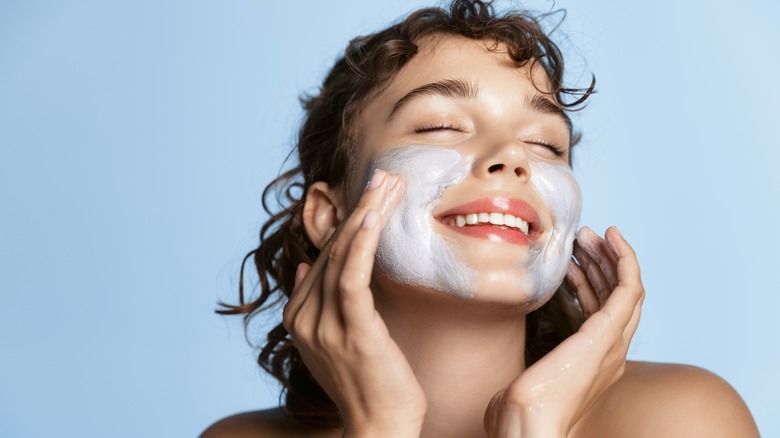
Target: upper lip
column 499, row 204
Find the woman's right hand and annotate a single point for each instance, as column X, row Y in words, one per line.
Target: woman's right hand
column 341, row 337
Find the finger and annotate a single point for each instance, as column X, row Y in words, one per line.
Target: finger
column 589, row 302
column 622, row 346
column 593, row 271
column 300, row 272
column 628, row 267
column 633, row 324
column 618, row 311
column 297, row 296
column 302, row 321
column 336, row 248
column 599, row 251
column 371, row 199
column 630, row 292
column 357, row 240
column 312, row 299
column 356, row 300
column 305, row 278
column 616, row 359
column 617, row 320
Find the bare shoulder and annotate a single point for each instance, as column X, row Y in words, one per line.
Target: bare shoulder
column 266, row 423
column 669, row 400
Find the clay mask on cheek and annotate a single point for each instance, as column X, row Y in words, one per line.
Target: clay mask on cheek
column 410, row 252
column 549, row 259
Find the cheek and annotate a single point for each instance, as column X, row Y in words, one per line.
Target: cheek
column 410, row 252
column 559, row 190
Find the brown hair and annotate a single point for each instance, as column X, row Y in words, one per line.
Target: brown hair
column 325, row 144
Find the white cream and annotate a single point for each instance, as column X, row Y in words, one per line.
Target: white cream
column 410, row 252
column 550, row 257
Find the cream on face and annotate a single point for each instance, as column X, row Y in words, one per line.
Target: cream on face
column 549, row 259
column 411, row 252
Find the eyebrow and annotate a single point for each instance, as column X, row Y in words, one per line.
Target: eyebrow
column 456, row 88
column 542, row 104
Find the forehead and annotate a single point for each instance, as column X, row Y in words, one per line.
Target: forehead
column 455, row 57
column 484, row 64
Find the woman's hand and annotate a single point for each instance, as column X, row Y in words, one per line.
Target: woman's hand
column 553, row 394
column 341, row 337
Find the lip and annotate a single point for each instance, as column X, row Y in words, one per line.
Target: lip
column 496, row 204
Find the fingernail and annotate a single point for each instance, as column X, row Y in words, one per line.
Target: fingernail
column 370, row 220
column 376, row 179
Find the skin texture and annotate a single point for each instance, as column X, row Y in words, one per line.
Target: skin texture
column 397, row 368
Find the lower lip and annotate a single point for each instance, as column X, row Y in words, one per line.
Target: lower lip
column 492, row 233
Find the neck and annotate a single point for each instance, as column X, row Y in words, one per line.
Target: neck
column 462, row 353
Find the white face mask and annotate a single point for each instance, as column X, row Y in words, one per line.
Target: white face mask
column 412, row 253
column 550, row 258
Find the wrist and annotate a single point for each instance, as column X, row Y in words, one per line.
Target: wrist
column 384, row 423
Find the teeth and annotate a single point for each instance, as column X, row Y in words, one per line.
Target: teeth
column 522, row 225
column 509, row 220
column 501, row 220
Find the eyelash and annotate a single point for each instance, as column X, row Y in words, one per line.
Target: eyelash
column 437, row 127
column 449, row 126
column 555, row 149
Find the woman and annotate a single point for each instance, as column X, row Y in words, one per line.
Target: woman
column 424, row 261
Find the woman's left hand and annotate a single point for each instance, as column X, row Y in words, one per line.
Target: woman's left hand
column 553, row 394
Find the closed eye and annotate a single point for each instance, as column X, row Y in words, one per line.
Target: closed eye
column 445, row 126
column 558, row 151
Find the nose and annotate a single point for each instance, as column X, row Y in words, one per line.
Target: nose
column 508, row 159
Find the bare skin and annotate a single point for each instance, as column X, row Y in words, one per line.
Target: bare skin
column 651, row 400
column 403, row 361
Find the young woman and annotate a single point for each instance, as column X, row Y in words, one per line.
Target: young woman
column 427, row 263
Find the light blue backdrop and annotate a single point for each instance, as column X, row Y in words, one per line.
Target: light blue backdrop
column 136, row 136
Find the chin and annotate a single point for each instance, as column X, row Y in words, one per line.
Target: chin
column 511, row 287
column 500, row 273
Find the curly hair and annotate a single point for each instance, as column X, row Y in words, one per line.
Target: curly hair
column 325, row 145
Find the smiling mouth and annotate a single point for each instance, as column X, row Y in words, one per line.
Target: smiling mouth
column 494, row 232
column 497, row 219
column 503, row 221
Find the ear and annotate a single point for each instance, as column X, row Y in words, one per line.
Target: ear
column 322, row 213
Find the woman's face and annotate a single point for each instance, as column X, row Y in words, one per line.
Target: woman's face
column 490, row 206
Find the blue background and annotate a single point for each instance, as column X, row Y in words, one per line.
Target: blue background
column 136, row 136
